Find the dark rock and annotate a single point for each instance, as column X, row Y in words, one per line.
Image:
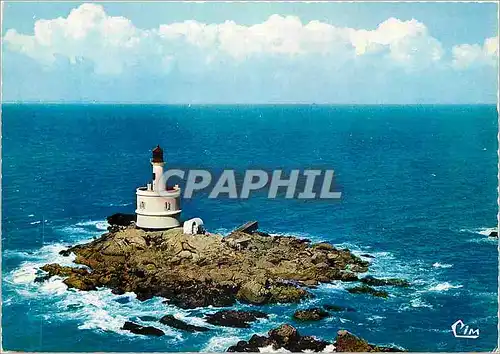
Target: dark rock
column 308, row 343
column 65, row 253
column 366, row 255
column 257, row 293
column 42, row 278
column 348, row 342
column 365, row 289
column 286, row 293
column 233, row 318
column 369, row 280
column 243, row 347
column 253, row 345
column 171, row 321
column 284, row 336
column 77, row 278
column 248, row 227
column 121, row 219
column 138, row 329
column 493, row 234
column 348, row 276
column 337, row 308
column 80, row 283
column 188, row 294
column 114, row 228
column 260, row 341
column 117, row 291
column 312, row 314
column 63, row 271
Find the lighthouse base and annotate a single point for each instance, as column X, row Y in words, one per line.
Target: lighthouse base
column 154, row 222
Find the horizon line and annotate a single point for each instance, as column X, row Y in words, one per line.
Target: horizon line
column 248, row 104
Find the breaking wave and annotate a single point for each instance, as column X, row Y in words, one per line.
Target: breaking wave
column 220, row 343
column 444, row 287
column 100, row 225
column 485, row 231
column 442, row 265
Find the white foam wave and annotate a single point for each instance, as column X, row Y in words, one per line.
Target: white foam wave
column 303, row 235
column 220, row 343
column 269, row 349
column 24, row 275
column 112, row 204
column 334, row 285
column 222, row 231
column 485, row 231
column 375, row 318
column 100, row 225
column 83, row 231
column 183, row 316
column 444, row 287
column 53, row 286
column 419, row 303
column 35, row 222
column 27, row 271
column 93, row 310
column 481, row 240
column 442, row 265
column 329, row 348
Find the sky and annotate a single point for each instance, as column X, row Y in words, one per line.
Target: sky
column 210, row 53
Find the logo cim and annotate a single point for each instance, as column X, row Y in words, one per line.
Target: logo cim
column 461, row 330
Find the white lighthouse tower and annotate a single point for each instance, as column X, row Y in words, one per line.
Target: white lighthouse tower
column 158, row 206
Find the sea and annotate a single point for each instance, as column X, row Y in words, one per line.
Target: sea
column 419, row 194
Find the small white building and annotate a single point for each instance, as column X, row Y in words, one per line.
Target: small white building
column 158, row 206
column 193, row 226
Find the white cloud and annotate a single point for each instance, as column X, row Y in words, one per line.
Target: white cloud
column 470, row 55
column 113, row 44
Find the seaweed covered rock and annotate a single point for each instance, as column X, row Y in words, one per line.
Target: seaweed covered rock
column 372, row 281
column 233, row 318
column 173, row 322
column 312, row 314
column 348, row 342
column 365, row 289
column 144, row 330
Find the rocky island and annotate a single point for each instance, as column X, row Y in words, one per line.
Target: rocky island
column 199, row 270
column 206, row 269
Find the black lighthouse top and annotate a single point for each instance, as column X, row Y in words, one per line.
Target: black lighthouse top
column 157, row 154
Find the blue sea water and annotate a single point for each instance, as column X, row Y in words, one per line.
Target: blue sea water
column 419, row 188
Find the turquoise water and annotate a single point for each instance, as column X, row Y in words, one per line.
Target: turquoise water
column 419, row 192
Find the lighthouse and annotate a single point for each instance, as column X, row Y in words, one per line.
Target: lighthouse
column 158, row 206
